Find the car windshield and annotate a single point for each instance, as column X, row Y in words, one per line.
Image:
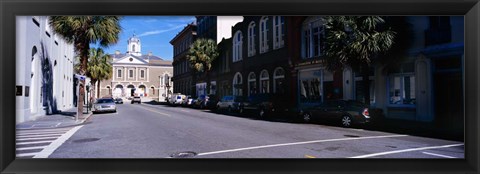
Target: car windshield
column 105, row 101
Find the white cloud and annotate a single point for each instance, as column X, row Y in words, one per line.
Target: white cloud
column 148, row 33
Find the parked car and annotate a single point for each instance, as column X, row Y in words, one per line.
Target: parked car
column 172, row 100
column 104, row 105
column 345, row 112
column 206, row 102
column 229, row 103
column 118, row 101
column 187, row 101
column 177, row 99
column 264, row 105
column 136, row 99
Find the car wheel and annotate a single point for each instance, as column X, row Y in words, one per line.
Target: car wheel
column 261, row 113
column 307, row 117
column 346, row 121
column 229, row 109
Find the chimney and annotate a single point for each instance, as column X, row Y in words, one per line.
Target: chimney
column 117, row 52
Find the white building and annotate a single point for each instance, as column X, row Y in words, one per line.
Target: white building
column 44, row 69
column 134, row 73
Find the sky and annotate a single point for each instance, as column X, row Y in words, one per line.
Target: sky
column 154, row 32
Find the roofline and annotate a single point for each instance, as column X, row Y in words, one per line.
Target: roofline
column 191, row 25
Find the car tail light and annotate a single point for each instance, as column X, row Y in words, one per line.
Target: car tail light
column 365, row 112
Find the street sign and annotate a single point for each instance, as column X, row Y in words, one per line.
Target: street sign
column 80, row 77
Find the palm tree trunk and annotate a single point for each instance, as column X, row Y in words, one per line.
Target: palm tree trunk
column 98, row 88
column 366, row 83
column 208, row 82
column 83, row 50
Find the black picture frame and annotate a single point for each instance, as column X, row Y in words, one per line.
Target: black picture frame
column 9, row 9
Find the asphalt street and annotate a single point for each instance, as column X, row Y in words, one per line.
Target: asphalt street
column 160, row 131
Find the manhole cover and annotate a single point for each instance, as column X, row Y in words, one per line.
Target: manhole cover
column 85, row 140
column 183, row 155
column 351, row 136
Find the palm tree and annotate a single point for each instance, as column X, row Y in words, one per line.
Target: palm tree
column 201, row 55
column 81, row 31
column 355, row 41
column 99, row 67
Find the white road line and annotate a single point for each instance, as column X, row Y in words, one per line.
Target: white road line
column 39, row 135
column 38, row 138
column 26, row 154
column 298, row 143
column 35, row 142
column 406, row 150
column 43, row 131
column 434, row 154
column 57, row 143
column 31, row 148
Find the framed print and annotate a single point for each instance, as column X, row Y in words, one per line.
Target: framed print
column 239, row 87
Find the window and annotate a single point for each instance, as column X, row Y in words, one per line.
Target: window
column 278, row 80
column 278, row 31
column 313, row 35
column 311, row 89
column 264, row 82
column 402, row 89
column 142, row 74
column 251, row 39
column 263, row 35
column 133, row 48
column 130, row 73
column 119, row 73
column 237, row 46
column 401, row 86
column 252, row 83
column 237, row 84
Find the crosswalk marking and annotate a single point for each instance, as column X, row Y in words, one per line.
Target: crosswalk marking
column 31, row 143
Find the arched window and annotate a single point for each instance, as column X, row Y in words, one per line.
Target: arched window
column 313, row 36
column 251, row 39
column 237, row 46
column 278, row 31
column 109, row 90
column 237, row 84
column 264, row 82
column 252, row 83
column 153, row 89
column 133, row 48
column 279, row 81
column 263, row 35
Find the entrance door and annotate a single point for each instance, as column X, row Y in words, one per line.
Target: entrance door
column 448, row 93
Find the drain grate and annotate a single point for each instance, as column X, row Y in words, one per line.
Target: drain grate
column 85, row 140
column 187, row 154
column 354, row 136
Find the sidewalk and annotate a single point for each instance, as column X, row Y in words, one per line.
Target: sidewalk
column 59, row 120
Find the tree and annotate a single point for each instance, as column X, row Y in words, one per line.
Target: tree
column 81, row 31
column 201, row 55
column 355, row 41
column 99, row 67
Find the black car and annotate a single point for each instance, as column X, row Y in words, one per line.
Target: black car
column 264, row 105
column 229, row 103
column 118, row 101
column 345, row 112
column 206, row 102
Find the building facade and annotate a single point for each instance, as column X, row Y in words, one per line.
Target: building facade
column 271, row 54
column 216, row 28
column 137, row 74
column 183, row 74
column 44, row 69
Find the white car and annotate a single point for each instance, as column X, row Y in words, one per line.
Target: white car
column 104, row 105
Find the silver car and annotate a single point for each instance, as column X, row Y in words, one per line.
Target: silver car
column 104, row 105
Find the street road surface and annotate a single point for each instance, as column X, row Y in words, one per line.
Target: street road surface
column 160, row 131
